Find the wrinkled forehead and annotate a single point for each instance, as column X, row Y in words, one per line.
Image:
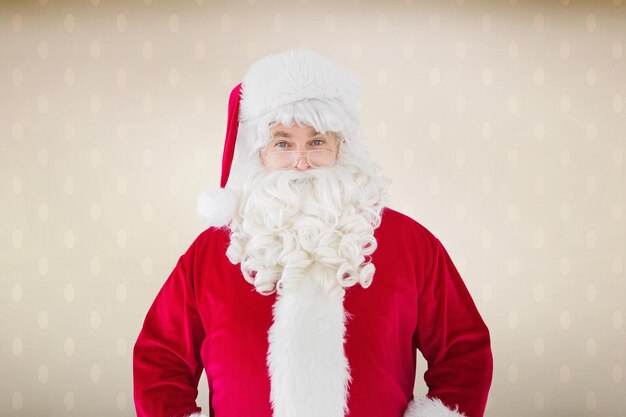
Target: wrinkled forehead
column 315, row 115
column 278, row 130
column 289, row 131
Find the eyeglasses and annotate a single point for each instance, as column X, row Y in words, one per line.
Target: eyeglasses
column 316, row 158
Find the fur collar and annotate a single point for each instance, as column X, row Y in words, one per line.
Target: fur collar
column 308, row 367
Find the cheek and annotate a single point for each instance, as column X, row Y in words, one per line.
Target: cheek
column 335, row 145
column 268, row 164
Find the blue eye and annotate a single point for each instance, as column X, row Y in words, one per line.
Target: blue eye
column 319, row 142
column 281, row 144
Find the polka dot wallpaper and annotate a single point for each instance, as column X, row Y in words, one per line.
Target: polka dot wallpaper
column 501, row 123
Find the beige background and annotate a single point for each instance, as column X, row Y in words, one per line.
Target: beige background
column 502, row 125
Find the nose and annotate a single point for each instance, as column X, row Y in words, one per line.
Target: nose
column 302, row 164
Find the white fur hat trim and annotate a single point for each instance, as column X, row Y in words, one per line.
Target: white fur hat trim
column 294, row 75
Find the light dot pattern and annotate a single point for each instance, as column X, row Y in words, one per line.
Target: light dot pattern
column 17, row 293
column 69, row 346
column 539, row 347
column 17, row 346
column 539, row 293
column 539, row 401
column 500, row 125
column 121, row 347
column 43, row 374
column 69, row 293
column 565, row 374
column 69, row 400
column 617, row 374
column 17, row 401
column 121, row 401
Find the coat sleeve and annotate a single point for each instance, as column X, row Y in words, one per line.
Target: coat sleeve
column 454, row 340
column 166, row 357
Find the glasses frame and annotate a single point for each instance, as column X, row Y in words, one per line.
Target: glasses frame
column 264, row 153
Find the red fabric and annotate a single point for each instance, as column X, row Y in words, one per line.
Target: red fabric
column 207, row 315
column 232, row 127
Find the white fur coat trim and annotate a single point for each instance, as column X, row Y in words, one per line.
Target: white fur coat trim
column 308, row 369
column 309, row 372
column 430, row 407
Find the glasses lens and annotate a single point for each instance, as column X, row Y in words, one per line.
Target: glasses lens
column 289, row 159
column 321, row 157
column 283, row 160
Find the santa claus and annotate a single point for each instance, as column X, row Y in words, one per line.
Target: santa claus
column 307, row 296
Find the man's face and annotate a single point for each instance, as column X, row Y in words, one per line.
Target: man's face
column 299, row 147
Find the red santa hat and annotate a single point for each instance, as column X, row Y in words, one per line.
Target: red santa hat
column 294, row 86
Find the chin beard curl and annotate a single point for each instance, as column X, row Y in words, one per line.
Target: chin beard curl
column 315, row 224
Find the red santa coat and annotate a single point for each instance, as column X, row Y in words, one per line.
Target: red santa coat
column 207, row 317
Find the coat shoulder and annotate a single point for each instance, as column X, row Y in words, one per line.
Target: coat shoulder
column 396, row 222
column 213, row 240
column 210, row 236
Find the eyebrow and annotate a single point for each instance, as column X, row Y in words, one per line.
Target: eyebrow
column 281, row 134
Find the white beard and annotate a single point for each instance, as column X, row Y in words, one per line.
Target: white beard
column 308, row 235
column 290, row 223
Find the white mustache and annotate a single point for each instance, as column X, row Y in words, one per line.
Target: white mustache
column 291, row 221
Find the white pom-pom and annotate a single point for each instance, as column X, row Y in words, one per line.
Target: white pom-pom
column 216, row 206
